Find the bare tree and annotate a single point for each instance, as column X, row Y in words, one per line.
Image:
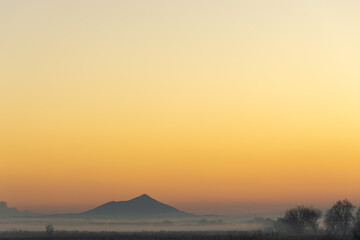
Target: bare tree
column 339, row 218
column 357, row 224
column 302, row 219
column 49, row 228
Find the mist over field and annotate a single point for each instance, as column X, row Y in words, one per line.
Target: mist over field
column 63, row 224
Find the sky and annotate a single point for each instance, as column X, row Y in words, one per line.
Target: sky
column 227, row 107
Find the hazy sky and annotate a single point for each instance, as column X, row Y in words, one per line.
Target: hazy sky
column 225, row 107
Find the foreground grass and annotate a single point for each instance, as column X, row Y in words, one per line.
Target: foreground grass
column 238, row 235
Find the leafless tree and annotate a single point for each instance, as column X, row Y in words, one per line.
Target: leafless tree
column 302, row 219
column 49, row 228
column 339, row 218
column 357, row 224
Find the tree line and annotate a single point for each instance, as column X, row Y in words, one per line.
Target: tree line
column 340, row 221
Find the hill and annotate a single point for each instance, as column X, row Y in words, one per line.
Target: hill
column 140, row 207
column 5, row 211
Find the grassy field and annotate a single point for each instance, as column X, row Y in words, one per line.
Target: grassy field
column 209, row 235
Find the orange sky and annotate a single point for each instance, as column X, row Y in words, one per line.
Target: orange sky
column 226, row 107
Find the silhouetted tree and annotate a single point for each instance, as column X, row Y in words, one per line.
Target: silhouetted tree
column 339, row 218
column 49, row 228
column 302, row 219
column 357, row 224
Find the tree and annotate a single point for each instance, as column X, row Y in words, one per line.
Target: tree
column 49, row 228
column 357, row 224
column 302, row 219
column 339, row 218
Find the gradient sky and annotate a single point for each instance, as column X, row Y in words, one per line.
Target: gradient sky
column 228, row 107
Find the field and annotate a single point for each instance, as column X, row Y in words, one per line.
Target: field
column 162, row 235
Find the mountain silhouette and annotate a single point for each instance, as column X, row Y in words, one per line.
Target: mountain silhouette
column 139, row 207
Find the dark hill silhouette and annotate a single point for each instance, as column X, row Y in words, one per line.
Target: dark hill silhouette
column 5, row 211
column 139, row 207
